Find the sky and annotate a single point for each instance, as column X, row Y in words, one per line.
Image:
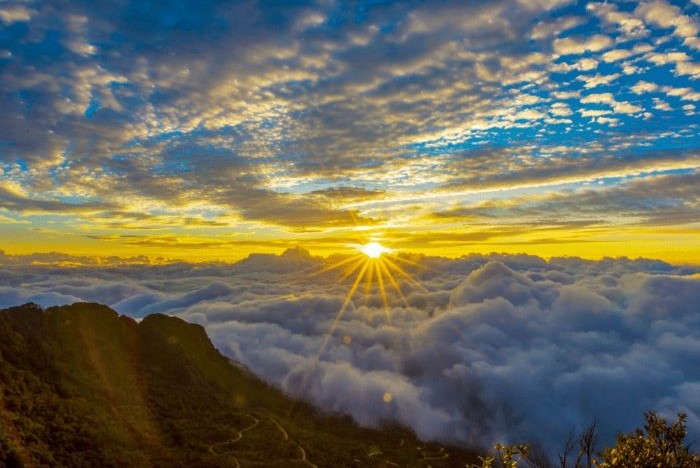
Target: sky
column 207, row 130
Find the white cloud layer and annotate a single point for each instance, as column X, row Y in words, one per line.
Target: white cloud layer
column 490, row 348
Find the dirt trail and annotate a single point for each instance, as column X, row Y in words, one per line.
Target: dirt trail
column 238, row 437
column 303, row 458
column 285, row 434
column 439, row 455
column 279, row 426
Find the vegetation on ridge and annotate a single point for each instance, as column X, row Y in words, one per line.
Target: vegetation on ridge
column 82, row 386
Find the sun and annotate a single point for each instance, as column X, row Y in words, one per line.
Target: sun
column 378, row 267
column 373, row 249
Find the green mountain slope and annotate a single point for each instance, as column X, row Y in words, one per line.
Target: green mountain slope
column 82, row 386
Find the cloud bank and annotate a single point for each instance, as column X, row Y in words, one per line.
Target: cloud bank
column 484, row 349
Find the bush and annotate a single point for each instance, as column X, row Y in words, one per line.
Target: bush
column 658, row 445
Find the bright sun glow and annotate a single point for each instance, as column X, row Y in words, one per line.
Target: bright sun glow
column 379, row 268
column 373, row 249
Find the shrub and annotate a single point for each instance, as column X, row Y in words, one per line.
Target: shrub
column 658, row 445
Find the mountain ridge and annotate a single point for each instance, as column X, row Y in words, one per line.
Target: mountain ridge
column 81, row 385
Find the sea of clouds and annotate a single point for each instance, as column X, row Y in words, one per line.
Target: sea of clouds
column 484, row 349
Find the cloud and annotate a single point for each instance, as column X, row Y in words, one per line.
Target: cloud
column 547, row 29
column 607, row 98
column 560, row 109
column 616, row 54
column 630, row 26
column 684, row 94
column 15, row 13
column 481, row 172
column 644, row 87
column 593, row 81
column 287, row 117
column 654, row 201
column 680, row 61
column 580, row 45
column 665, row 15
column 14, row 200
column 584, row 64
column 468, row 357
column 661, row 105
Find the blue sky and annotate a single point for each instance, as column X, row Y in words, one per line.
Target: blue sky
column 188, row 129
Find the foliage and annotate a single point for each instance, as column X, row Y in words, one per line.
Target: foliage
column 658, row 445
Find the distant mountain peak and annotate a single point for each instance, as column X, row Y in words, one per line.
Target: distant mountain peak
column 297, row 252
column 291, row 260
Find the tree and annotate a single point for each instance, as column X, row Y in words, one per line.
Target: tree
column 658, row 445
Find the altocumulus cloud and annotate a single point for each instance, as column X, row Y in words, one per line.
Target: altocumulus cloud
column 491, row 348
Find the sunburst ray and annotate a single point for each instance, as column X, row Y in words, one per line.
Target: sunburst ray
column 374, row 264
column 382, row 291
column 394, row 283
column 403, row 273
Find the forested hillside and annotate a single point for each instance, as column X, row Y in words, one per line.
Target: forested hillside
column 82, row 386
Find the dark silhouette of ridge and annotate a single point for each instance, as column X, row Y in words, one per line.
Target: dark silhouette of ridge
column 82, row 386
